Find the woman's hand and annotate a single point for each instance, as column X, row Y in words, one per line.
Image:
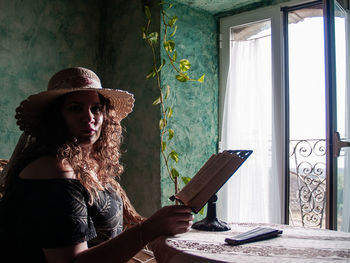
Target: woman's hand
column 169, row 220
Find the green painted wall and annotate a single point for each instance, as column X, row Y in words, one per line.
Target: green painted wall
column 220, row 8
column 38, row 38
column 195, row 105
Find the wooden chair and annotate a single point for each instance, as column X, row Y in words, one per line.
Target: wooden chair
column 3, row 162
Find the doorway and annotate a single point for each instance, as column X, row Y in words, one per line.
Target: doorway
column 318, row 171
column 301, row 121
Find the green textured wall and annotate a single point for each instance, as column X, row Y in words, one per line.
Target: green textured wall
column 220, row 8
column 195, row 104
column 38, row 38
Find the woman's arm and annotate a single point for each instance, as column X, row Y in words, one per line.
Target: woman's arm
column 169, row 220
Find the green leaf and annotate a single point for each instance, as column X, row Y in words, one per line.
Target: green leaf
column 170, row 112
column 182, row 78
column 143, row 32
column 186, row 179
column 167, row 93
column 174, row 173
column 171, row 134
column 184, row 65
column 163, row 146
column 151, row 74
column 153, row 37
column 175, row 55
column 201, row 79
column 174, row 156
column 162, row 124
column 148, row 12
column 173, row 21
column 174, row 31
column 202, row 211
column 169, row 45
column 156, row 102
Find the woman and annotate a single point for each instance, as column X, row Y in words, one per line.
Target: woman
column 62, row 202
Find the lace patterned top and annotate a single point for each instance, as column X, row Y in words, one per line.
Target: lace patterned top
column 51, row 213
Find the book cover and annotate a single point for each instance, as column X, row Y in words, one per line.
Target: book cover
column 210, row 178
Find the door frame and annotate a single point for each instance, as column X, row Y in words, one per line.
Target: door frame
column 331, row 117
column 332, row 139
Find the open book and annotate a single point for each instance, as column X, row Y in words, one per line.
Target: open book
column 210, row 178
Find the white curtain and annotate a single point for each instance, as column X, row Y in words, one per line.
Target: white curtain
column 253, row 194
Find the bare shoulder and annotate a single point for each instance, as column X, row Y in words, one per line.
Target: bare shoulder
column 47, row 167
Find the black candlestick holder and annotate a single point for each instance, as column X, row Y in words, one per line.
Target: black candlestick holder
column 211, row 222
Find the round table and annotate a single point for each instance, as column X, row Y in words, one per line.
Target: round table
column 296, row 244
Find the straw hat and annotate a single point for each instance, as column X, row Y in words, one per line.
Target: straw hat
column 29, row 113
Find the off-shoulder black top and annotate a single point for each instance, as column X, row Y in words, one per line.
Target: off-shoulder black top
column 52, row 213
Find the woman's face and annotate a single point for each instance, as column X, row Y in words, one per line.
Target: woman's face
column 82, row 113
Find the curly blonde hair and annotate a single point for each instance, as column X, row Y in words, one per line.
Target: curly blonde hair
column 106, row 153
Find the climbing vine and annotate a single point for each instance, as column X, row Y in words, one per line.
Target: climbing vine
column 181, row 68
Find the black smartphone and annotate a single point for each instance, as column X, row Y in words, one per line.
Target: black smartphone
column 256, row 234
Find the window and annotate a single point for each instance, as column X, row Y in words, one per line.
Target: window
column 271, row 60
column 251, row 116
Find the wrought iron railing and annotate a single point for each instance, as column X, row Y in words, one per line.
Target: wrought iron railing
column 308, row 182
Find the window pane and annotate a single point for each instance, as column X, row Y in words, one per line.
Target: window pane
column 247, row 124
column 343, row 126
column 307, row 117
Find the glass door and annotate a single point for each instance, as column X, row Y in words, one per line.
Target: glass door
column 342, row 126
column 317, row 84
column 305, row 75
column 337, row 92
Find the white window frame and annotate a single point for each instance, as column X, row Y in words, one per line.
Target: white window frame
column 275, row 15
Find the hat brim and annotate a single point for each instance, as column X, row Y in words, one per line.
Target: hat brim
column 29, row 113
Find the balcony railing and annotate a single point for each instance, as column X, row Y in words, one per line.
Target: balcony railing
column 308, row 182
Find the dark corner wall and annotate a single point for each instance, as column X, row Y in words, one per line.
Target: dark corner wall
column 124, row 62
column 38, row 38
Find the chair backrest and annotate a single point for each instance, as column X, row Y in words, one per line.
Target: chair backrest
column 3, row 163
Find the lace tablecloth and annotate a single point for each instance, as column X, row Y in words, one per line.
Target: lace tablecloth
column 296, row 244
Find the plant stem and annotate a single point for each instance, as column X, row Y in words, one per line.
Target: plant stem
column 163, row 130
